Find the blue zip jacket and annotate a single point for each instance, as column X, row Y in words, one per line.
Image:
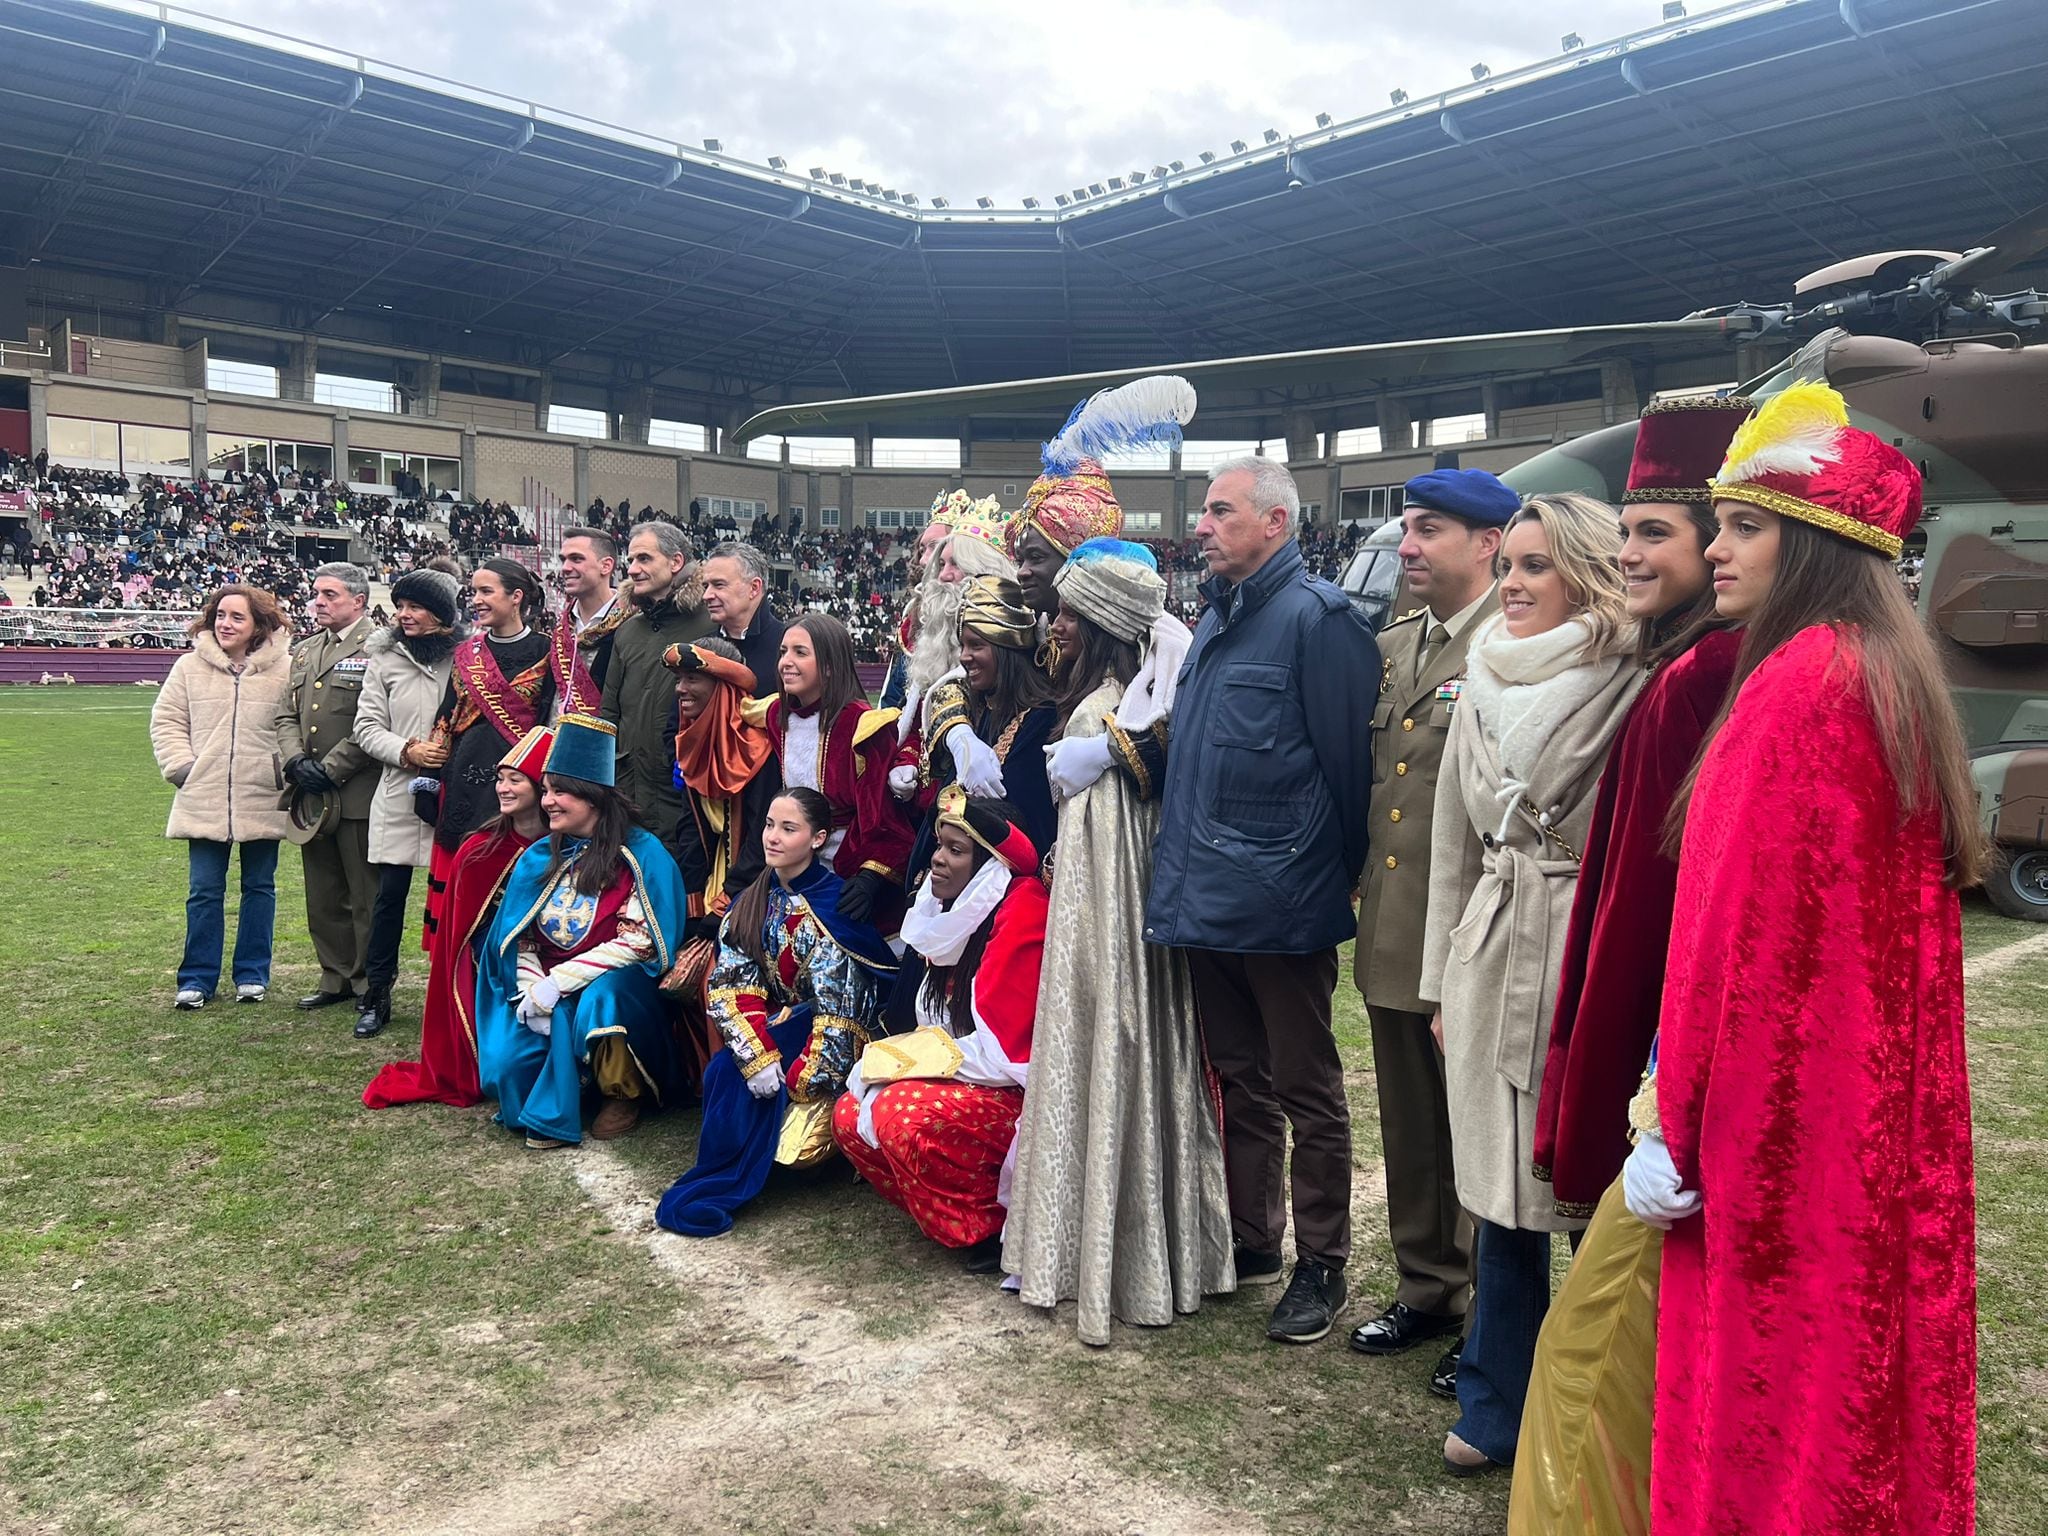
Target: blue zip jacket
column 1265, row 812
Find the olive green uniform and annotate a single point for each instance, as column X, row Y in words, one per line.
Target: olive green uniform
column 315, row 720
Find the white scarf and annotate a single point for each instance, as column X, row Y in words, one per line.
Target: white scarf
column 1149, row 699
column 1524, row 689
column 940, row 933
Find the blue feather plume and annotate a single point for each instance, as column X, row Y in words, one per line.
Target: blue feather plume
column 1146, row 412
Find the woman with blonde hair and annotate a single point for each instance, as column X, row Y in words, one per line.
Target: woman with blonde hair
column 1551, row 677
column 213, row 730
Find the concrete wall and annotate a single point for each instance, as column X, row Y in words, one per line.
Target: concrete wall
column 225, row 414
column 135, row 362
column 504, row 464
column 646, row 479
column 397, row 434
column 486, row 411
column 111, row 403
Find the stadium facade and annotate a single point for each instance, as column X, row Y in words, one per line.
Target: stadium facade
column 177, row 193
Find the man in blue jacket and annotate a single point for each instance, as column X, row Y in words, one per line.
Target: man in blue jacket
column 1262, row 837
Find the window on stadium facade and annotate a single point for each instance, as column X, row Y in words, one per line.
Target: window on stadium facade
column 375, row 467
column 828, row 517
column 916, row 453
column 740, row 510
column 1144, row 522
column 82, row 443
column 893, row 518
column 226, row 451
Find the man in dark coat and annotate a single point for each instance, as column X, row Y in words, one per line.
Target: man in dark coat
column 639, row 691
column 1262, row 836
column 736, row 600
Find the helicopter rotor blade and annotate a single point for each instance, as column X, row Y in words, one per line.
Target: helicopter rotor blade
column 2005, row 248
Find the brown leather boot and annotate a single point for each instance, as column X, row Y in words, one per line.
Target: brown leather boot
column 615, row 1117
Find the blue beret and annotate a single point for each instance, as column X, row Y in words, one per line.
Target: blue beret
column 1472, row 494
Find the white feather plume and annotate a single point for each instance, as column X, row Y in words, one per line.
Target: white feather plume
column 1147, row 410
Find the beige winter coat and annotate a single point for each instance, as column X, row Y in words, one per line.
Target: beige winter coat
column 401, row 695
column 1499, row 905
column 214, row 733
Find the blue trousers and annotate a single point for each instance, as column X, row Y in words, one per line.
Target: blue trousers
column 735, row 1144
column 1510, row 1294
column 206, row 914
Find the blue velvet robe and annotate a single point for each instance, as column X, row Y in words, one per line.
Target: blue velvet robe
column 538, row 1079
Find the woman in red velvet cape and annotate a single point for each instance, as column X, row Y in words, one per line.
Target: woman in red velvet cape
column 446, row 1071
column 1816, row 1351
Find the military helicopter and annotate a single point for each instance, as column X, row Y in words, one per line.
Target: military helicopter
column 1956, row 377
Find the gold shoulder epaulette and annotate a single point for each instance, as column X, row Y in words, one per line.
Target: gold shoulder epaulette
column 871, row 721
column 1412, row 613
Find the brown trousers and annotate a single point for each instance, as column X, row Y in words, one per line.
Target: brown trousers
column 341, row 891
column 1431, row 1232
column 1266, row 1022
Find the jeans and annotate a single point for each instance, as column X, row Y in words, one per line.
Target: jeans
column 387, row 925
column 1511, row 1292
column 206, row 914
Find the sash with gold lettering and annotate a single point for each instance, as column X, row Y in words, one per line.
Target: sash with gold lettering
column 568, row 663
column 483, row 693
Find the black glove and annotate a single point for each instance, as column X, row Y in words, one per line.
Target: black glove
column 857, row 898
column 309, row 775
column 707, row 926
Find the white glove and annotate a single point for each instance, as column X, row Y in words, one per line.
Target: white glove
column 764, row 1083
column 1649, row 1186
column 1075, row 763
column 975, row 763
column 865, row 1097
column 903, row 781
column 540, row 1020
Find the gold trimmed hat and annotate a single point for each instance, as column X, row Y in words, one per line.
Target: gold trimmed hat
column 1799, row 457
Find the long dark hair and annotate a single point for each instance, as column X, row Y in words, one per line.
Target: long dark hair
column 1020, row 685
column 1662, row 641
column 1099, row 654
column 533, row 598
column 838, row 681
column 1823, row 579
column 599, row 866
column 744, row 922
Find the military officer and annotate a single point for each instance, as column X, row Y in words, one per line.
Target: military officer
column 1453, row 521
column 321, row 757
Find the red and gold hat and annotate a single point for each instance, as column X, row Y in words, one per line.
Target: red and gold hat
column 529, row 755
column 986, row 825
column 1070, row 509
column 1799, row 457
column 1679, row 445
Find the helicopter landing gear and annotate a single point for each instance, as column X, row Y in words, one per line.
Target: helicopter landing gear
column 2018, row 887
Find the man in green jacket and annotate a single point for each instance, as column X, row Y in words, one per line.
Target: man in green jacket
column 313, row 738
column 639, row 691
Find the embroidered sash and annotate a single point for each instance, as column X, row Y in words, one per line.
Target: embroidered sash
column 483, row 692
column 574, row 685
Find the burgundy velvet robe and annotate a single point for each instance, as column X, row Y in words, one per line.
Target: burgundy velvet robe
column 1612, row 979
column 1816, row 1339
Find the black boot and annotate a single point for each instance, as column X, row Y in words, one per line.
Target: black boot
column 376, row 1011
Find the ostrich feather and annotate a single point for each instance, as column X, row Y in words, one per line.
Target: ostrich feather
column 1143, row 412
column 1793, row 433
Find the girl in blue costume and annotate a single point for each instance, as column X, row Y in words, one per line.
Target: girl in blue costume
column 794, row 992
column 568, row 983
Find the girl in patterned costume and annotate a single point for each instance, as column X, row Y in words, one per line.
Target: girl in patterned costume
column 930, row 1118
column 793, row 993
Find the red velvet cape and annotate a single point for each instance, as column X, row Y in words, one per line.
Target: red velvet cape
column 855, row 778
column 1612, row 980
column 446, row 1070
column 1816, row 1339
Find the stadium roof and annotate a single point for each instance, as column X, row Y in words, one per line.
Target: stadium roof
column 245, row 177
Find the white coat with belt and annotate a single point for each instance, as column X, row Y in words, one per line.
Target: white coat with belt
column 401, row 696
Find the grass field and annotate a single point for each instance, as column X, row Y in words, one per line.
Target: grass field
column 232, row 1299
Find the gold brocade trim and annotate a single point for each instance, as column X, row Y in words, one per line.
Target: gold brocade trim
column 1699, row 403
column 1126, row 752
column 1578, row 1210
column 1008, row 739
column 1643, row 1118
column 1698, row 493
column 1890, row 545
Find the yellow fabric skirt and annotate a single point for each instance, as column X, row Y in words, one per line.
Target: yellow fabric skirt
column 1582, row 1467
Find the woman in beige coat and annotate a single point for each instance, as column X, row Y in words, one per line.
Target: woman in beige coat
column 213, row 730
column 402, row 687
column 1549, row 682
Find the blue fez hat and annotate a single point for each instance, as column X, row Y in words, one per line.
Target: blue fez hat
column 1472, row 494
column 585, row 748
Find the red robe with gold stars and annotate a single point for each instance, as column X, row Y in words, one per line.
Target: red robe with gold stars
column 1816, row 1337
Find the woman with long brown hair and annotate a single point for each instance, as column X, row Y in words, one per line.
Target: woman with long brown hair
column 214, row 731
column 1808, row 1139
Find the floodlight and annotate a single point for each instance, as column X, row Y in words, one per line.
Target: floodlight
column 1080, row 194
column 1323, row 119
column 910, row 199
column 838, row 180
column 889, row 194
column 1272, row 135
column 1176, row 167
column 984, row 202
column 1208, row 157
column 1480, row 71
column 714, row 146
column 777, row 163
column 1116, row 183
column 1159, row 171
column 1095, row 188
column 940, row 202
column 1059, row 197
column 1397, row 96
column 1674, row 10
column 1571, row 42
column 817, row 173
column 1030, row 202
column 1237, row 146
column 1136, row 178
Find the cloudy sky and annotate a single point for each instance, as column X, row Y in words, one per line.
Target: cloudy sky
column 1006, row 98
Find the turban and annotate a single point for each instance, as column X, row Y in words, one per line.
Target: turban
column 993, row 608
column 1113, row 584
column 989, row 827
column 1472, row 494
column 718, row 753
column 1070, row 509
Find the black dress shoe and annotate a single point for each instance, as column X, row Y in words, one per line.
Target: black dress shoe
column 376, row 1013
column 984, row 1257
column 1443, row 1380
column 1309, row 1305
column 1400, row 1328
column 1256, row 1266
column 313, row 1000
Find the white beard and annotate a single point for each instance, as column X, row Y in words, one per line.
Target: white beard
column 935, row 650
